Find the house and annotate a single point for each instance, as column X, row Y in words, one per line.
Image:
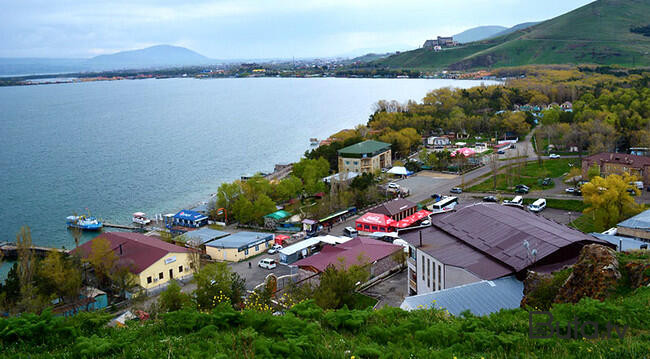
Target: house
column 272, row 220
column 636, row 227
column 397, row 209
column 487, row 241
column 567, row 106
column 153, row 261
column 640, row 151
column 366, row 156
column 480, row 298
column 446, row 41
column 190, row 219
column 618, row 163
column 438, row 142
column 239, row 246
column 360, row 251
column 430, row 44
column 622, row 243
column 307, row 247
column 198, row 238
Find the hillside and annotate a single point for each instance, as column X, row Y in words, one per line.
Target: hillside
column 597, row 33
column 154, row 56
column 479, row 33
column 517, row 27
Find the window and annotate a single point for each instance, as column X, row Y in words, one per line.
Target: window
column 439, row 277
column 374, row 228
column 422, row 268
column 180, row 269
column 160, row 275
column 268, row 244
column 246, row 251
column 347, row 162
column 149, row 280
column 366, row 226
column 428, row 273
column 257, row 248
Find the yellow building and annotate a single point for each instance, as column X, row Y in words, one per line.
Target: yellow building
column 153, row 261
column 366, row 156
column 239, row 246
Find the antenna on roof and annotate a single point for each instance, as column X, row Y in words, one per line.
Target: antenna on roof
column 532, row 253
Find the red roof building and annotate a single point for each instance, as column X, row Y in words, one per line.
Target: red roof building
column 375, row 222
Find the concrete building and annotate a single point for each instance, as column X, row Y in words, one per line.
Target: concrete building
column 201, row 236
column 376, row 255
column 618, row 163
column 239, row 246
column 438, row 142
column 636, row 227
column 487, row 241
column 307, row 247
column 153, row 261
column 366, row 156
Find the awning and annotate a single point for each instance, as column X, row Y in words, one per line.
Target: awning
column 280, row 238
column 417, row 216
column 466, row 152
column 375, row 219
column 399, row 170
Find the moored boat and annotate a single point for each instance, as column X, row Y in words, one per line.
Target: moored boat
column 141, row 218
column 85, row 223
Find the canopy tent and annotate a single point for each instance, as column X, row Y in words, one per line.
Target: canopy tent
column 400, row 171
column 465, row 151
column 280, row 238
column 373, row 222
column 415, row 217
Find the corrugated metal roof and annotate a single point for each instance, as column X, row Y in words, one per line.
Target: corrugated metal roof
column 366, row 249
column 628, row 244
column 369, row 146
column 393, row 207
column 640, row 221
column 241, row 240
column 480, row 298
column 204, row 235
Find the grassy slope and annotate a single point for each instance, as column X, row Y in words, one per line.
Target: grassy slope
column 597, row 33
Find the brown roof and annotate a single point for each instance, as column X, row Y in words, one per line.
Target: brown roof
column 393, row 207
column 496, row 235
column 620, row 158
column 366, row 249
column 134, row 250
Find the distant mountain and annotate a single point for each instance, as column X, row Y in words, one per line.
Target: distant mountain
column 478, row 33
column 517, row 27
column 597, row 33
column 150, row 57
column 155, row 57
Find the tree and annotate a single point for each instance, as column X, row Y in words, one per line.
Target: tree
column 288, row 188
column 338, row 284
column 60, row 277
column 102, row 258
column 216, row 283
column 400, row 258
column 172, row 299
column 30, row 301
column 123, row 279
column 608, row 200
column 574, row 175
column 263, row 205
column 242, row 210
column 593, row 171
column 227, row 194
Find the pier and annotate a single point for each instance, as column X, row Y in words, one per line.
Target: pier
column 10, row 250
column 122, row 226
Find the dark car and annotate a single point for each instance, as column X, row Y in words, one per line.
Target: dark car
column 490, row 199
column 456, row 190
column 501, row 152
column 522, row 188
column 546, row 182
column 436, row 196
column 631, row 191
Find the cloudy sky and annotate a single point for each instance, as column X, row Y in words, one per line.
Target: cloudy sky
column 227, row 29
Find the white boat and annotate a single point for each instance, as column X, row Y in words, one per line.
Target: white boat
column 141, row 218
column 85, row 223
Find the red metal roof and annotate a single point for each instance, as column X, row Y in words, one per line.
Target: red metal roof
column 138, row 251
column 348, row 254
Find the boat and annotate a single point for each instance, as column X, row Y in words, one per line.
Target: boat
column 86, row 223
column 313, row 141
column 141, row 218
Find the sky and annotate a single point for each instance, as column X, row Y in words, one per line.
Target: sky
column 248, row 29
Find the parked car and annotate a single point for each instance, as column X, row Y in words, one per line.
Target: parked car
column 537, row 206
column 274, row 249
column 547, row 181
column 501, row 152
column 268, row 263
column 570, row 190
column 436, row 196
column 490, row 199
column 350, row 232
column 393, row 185
column 522, row 188
column 426, row 222
column 554, row 156
column 456, row 190
column 518, row 201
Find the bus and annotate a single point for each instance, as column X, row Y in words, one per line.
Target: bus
column 444, row 205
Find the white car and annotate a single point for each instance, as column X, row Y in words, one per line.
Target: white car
column 553, row 156
column 274, row 249
column 268, row 263
column 393, row 185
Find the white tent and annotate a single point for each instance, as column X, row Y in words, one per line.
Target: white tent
column 399, row 170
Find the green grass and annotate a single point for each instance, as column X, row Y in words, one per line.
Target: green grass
column 531, row 175
column 362, row 301
column 584, row 223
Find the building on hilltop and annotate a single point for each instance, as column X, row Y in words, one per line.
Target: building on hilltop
column 618, row 163
column 153, row 261
column 487, row 241
column 366, row 156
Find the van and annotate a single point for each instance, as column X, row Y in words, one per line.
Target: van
column 537, row 206
column 350, row 232
column 517, row 201
column 267, row 263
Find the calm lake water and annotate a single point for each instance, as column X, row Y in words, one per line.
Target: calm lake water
column 159, row 145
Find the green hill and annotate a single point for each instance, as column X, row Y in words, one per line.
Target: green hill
column 597, row 33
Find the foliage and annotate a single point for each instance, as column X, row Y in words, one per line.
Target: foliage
column 337, row 285
column 216, row 283
column 172, row 299
column 545, row 291
column 330, row 152
column 608, row 200
column 103, row 259
column 61, row 277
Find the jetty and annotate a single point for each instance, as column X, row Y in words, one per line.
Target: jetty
column 10, row 250
column 122, row 226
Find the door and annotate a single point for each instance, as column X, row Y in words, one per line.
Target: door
column 171, row 273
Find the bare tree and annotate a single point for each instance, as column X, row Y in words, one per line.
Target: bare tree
column 494, row 167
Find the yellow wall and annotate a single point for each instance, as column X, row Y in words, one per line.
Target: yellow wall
column 182, row 259
column 233, row 255
column 368, row 164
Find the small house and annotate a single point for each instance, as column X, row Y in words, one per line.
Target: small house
column 191, row 219
column 239, row 246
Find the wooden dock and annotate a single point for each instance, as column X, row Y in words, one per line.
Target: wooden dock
column 121, row 226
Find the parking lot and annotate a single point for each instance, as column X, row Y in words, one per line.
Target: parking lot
column 255, row 275
column 426, row 183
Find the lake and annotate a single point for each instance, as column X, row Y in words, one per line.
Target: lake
column 117, row 147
